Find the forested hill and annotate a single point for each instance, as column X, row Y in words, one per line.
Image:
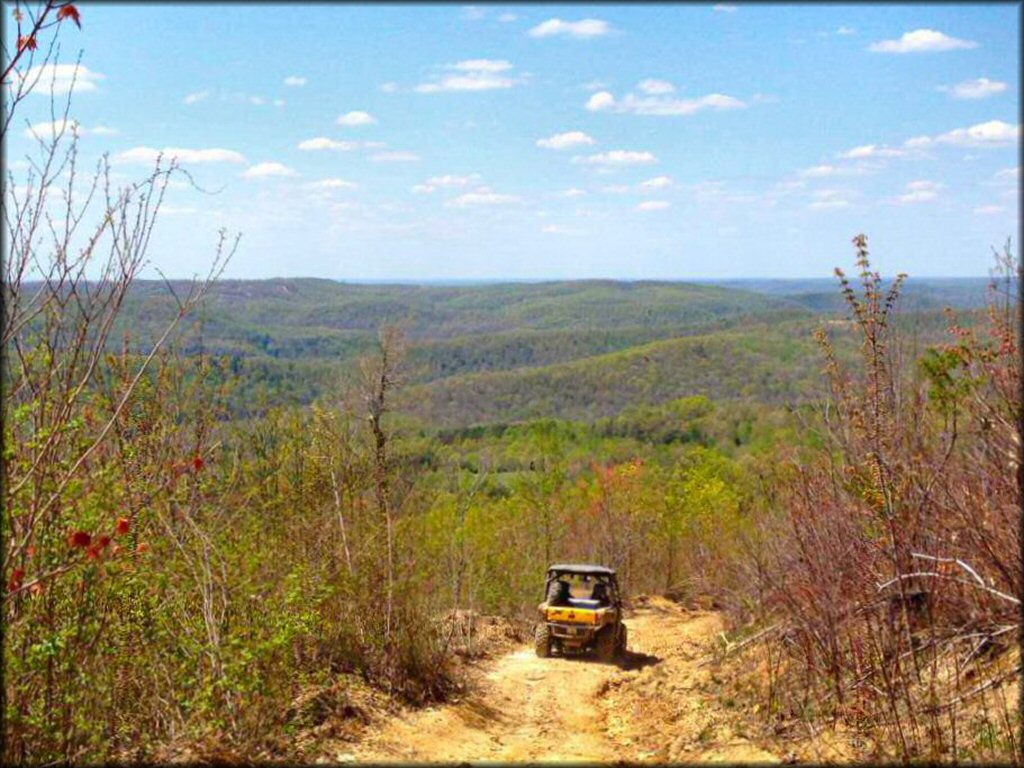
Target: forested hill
column 820, row 294
column 309, row 308
column 508, row 351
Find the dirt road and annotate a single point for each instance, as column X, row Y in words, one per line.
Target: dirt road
column 657, row 705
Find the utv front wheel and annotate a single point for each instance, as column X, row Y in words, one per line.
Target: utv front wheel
column 542, row 640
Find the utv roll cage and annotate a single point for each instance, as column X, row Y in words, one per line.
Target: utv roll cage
column 598, row 573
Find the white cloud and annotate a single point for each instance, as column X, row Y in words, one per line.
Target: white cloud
column 481, row 65
column 658, row 182
column 600, row 100
column 505, row 18
column 473, row 12
column 828, row 199
column 448, row 181
column 872, row 150
column 474, row 75
column 662, row 105
column 50, row 130
column 195, row 98
column 295, row 81
column 994, row 133
column 920, row 192
column 565, row 140
column 1009, row 174
column 921, row 41
column 334, row 184
column 826, row 170
column 715, row 101
column 356, row 118
column 238, row 98
column 173, row 210
column 656, row 87
column 617, row 157
column 480, row 81
column 60, row 78
column 580, row 29
column 653, row 205
column 267, row 170
column 389, row 87
column 482, row 197
column 989, row 210
column 980, row 88
column 572, row 192
column 722, row 8
column 919, row 142
column 846, row 31
column 322, row 142
column 148, row 155
column 396, row 156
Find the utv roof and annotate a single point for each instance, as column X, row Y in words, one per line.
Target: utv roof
column 582, row 568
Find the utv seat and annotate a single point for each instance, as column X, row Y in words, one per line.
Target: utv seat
column 559, row 594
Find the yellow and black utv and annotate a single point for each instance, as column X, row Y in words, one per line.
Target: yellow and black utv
column 582, row 611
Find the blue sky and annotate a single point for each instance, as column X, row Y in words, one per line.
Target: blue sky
column 546, row 141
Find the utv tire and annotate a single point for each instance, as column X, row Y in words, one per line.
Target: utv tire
column 542, row 640
column 623, row 641
column 607, row 644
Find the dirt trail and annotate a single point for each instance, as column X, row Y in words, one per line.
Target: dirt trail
column 657, row 705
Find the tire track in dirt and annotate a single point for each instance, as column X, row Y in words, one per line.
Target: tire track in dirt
column 654, row 706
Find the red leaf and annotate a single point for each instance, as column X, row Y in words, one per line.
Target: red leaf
column 93, row 552
column 198, row 463
column 104, row 541
column 69, row 12
column 143, row 546
column 123, row 526
column 79, row 539
column 16, row 578
column 27, row 42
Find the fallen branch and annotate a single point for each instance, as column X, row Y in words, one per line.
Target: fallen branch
column 733, row 648
column 934, row 575
column 956, row 560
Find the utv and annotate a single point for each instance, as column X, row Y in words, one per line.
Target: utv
column 582, row 611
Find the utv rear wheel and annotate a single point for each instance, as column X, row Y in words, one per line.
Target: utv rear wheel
column 542, row 640
column 607, row 644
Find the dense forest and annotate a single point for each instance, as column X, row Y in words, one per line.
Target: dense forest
column 224, row 500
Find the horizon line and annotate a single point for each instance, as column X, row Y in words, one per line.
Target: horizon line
column 493, row 280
